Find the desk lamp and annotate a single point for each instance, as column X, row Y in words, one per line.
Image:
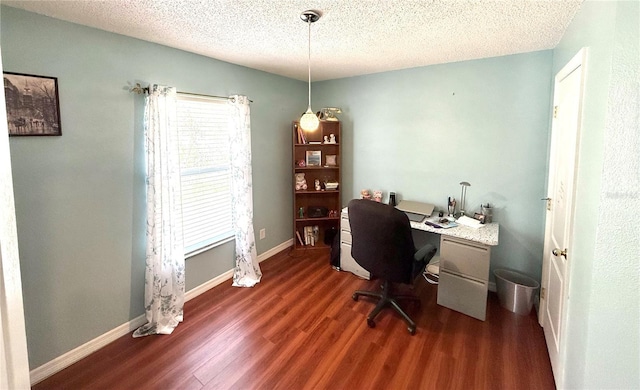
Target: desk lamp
column 463, row 196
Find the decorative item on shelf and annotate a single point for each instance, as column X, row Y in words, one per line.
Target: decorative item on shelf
column 316, row 185
column 333, row 213
column 365, row 194
column 309, row 121
column 377, row 195
column 330, row 139
column 317, row 212
column 301, row 212
column 331, row 185
column 301, row 182
column 314, row 158
column 329, row 113
column 331, row 160
column 301, row 163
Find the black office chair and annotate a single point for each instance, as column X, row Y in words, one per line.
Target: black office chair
column 382, row 244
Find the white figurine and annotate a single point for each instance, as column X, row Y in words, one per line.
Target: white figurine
column 326, row 139
column 332, row 138
column 317, row 185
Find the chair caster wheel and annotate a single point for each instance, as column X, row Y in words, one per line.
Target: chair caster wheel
column 355, row 297
column 412, row 330
column 371, row 323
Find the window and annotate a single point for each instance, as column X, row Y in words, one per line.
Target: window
column 205, row 171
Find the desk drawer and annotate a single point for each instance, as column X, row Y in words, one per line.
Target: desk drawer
column 347, row 263
column 464, row 295
column 465, row 258
column 345, row 236
column 344, row 223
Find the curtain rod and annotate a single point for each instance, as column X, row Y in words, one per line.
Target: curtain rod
column 140, row 90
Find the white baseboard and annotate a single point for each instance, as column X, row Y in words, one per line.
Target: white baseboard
column 206, row 286
column 275, row 250
column 63, row 361
column 41, row 373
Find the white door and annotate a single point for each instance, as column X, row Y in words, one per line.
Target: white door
column 14, row 361
column 565, row 130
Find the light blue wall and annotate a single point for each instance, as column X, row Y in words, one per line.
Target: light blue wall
column 80, row 197
column 602, row 330
column 420, row 132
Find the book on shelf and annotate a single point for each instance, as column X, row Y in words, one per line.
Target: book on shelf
column 311, row 235
column 301, row 137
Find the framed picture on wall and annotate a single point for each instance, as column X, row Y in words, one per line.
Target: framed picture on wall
column 314, row 158
column 33, row 107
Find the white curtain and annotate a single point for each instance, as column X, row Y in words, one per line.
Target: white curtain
column 164, row 275
column 247, row 271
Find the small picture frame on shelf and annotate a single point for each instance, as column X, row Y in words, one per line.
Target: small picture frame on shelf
column 314, row 158
column 331, row 160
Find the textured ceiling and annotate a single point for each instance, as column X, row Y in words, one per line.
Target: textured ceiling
column 353, row 37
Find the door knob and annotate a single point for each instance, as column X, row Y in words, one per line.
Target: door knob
column 560, row 252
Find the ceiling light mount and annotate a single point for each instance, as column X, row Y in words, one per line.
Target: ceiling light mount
column 310, row 16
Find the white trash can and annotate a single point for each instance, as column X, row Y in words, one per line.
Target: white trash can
column 515, row 290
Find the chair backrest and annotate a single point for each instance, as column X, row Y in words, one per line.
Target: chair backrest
column 381, row 240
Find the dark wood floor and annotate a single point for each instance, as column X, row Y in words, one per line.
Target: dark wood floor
column 300, row 329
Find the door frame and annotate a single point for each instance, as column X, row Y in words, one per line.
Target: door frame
column 578, row 61
column 14, row 360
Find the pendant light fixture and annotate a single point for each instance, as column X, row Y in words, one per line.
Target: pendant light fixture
column 309, row 121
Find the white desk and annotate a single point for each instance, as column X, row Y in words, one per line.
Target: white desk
column 465, row 256
column 486, row 235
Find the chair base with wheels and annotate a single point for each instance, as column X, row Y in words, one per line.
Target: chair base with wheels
column 386, row 299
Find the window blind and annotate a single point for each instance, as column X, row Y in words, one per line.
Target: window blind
column 203, row 126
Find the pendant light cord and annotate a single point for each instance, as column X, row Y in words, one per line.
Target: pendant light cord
column 309, row 59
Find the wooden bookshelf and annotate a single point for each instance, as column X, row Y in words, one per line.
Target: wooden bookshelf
column 312, row 202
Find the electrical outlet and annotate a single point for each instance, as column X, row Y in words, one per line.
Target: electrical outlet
column 263, row 233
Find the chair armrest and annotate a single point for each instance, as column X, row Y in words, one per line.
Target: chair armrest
column 421, row 258
column 425, row 253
